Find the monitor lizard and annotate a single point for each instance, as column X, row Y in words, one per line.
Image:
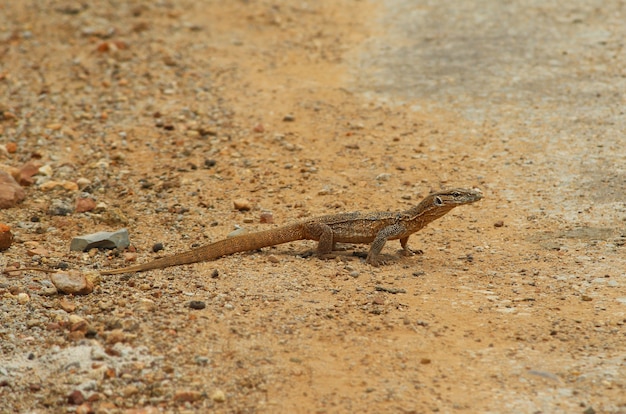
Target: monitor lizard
column 375, row 228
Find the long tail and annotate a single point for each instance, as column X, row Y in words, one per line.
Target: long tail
column 245, row 242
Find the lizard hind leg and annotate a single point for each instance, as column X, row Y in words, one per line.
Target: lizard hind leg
column 324, row 236
column 406, row 250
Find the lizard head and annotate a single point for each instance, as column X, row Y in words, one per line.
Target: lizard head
column 437, row 204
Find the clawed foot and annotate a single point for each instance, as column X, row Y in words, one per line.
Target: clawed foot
column 410, row 252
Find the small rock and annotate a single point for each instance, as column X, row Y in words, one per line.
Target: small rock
column 498, row 223
column 115, row 336
column 10, row 191
column 187, row 396
column 60, row 208
column 289, row 118
column 130, row 390
column 157, row 247
column 23, row 298
column 383, row 177
column 197, row 304
column 83, row 182
column 46, row 170
column 76, row 398
column 67, row 306
column 11, row 147
column 6, row 237
column 266, row 217
column 273, row 259
column 218, row 396
column 259, row 128
column 72, row 283
column 26, row 173
column 84, row 204
column 103, row 239
column 241, row 204
column 38, row 251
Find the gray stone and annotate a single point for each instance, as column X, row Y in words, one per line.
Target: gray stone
column 103, row 239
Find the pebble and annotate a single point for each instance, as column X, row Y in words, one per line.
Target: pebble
column 383, row 177
column 218, row 396
column 76, row 398
column 187, row 396
column 84, row 204
column 10, row 191
column 72, row 283
column 241, row 204
column 498, row 223
column 289, row 118
column 60, row 208
column 23, row 298
column 38, row 251
column 26, row 173
column 66, row 185
column 267, row 217
column 273, row 259
column 197, row 304
column 104, row 239
column 66, row 305
column 6, row 237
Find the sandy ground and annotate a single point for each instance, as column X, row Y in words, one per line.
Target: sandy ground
column 166, row 112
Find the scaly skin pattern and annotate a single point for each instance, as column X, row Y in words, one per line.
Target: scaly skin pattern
column 372, row 228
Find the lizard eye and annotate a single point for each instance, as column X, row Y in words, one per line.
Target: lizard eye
column 456, row 194
column 438, row 201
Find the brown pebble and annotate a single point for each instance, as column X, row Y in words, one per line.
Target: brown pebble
column 84, row 204
column 67, row 306
column 10, row 191
column 72, row 283
column 267, row 217
column 6, row 237
column 378, row 300
column 273, row 259
column 76, row 398
column 26, row 173
column 187, row 396
column 11, row 147
column 115, row 336
column 259, row 128
column 38, row 251
column 425, row 361
column 498, row 223
column 241, row 204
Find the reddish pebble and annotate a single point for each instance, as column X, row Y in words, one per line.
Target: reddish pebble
column 6, row 237
column 267, row 217
column 10, row 191
column 27, row 171
column 76, row 398
column 85, row 204
column 11, row 147
column 499, row 223
column 259, row 128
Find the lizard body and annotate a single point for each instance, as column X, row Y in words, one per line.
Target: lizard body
column 375, row 228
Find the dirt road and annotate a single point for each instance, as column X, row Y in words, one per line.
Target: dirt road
column 165, row 113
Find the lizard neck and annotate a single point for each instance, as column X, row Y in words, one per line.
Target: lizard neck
column 420, row 215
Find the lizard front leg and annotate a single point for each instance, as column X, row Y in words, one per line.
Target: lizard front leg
column 388, row 232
